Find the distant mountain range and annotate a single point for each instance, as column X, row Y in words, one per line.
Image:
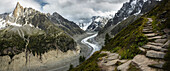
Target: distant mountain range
column 133, row 7
column 96, row 23
column 130, row 10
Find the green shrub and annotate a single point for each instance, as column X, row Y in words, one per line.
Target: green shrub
column 71, row 67
column 82, row 59
column 166, row 66
column 107, row 38
column 90, row 64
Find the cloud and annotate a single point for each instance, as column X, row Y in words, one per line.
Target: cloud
column 9, row 5
column 77, row 10
column 74, row 10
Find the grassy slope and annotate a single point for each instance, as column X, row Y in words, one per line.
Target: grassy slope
column 127, row 41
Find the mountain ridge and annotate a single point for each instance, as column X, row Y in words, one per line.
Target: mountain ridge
column 133, row 7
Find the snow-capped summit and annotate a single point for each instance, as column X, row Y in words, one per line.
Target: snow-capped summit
column 33, row 18
column 133, row 7
column 83, row 26
column 97, row 23
column 129, row 12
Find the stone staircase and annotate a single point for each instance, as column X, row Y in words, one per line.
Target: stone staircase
column 150, row 60
column 154, row 50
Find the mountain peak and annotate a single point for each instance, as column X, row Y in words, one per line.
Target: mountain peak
column 18, row 10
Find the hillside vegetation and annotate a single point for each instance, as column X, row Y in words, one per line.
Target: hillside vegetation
column 127, row 42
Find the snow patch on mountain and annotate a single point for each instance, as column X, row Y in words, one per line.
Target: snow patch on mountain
column 2, row 24
column 83, row 26
column 13, row 24
column 98, row 22
column 102, row 18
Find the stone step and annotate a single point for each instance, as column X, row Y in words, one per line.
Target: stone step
column 113, row 56
column 142, row 62
column 148, row 27
column 148, row 31
column 151, row 34
column 160, row 40
column 124, row 67
column 156, row 44
column 166, row 44
column 159, row 66
column 142, row 49
column 156, row 48
column 155, row 37
column 155, row 54
column 167, row 31
column 164, row 36
column 150, row 24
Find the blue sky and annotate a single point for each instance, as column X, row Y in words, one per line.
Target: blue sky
column 42, row 3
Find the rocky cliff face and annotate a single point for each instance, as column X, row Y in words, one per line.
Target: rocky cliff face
column 27, row 31
column 133, row 7
column 64, row 24
column 48, row 61
column 18, row 10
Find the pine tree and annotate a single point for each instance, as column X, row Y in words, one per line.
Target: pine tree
column 107, row 38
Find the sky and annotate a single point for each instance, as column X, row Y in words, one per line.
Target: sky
column 73, row 10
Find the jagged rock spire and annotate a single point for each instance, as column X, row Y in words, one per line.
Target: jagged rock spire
column 18, row 10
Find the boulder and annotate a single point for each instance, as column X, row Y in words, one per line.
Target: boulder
column 155, row 54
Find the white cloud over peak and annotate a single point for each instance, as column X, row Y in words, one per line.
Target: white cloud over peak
column 74, row 10
column 9, row 5
column 77, row 10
